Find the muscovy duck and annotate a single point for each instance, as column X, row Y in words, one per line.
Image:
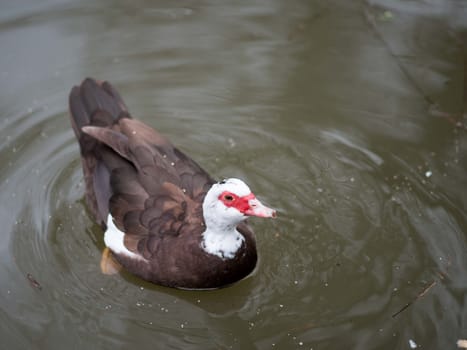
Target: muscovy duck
column 165, row 219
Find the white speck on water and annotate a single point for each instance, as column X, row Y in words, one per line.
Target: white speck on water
column 133, row 132
column 164, row 156
column 412, row 344
column 352, row 179
column 281, row 306
column 295, row 282
column 108, row 307
column 141, row 288
column 172, row 163
column 319, row 189
column 428, row 174
column 182, row 325
column 300, row 343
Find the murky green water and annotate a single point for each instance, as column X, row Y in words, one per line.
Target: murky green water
column 345, row 116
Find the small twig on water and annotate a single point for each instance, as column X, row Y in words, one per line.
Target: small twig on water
column 453, row 119
column 421, row 294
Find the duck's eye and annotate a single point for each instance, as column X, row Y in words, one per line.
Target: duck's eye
column 228, row 198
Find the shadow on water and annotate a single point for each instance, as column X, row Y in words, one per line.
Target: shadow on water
column 348, row 117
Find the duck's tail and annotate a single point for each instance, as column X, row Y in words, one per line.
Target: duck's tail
column 95, row 103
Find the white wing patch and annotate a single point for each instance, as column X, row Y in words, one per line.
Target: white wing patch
column 114, row 239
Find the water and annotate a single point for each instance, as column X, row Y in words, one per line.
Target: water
column 344, row 116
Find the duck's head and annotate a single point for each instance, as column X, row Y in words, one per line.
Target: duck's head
column 231, row 201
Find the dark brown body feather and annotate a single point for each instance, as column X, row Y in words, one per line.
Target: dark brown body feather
column 153, row 191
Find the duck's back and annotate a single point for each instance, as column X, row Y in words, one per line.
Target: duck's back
column 125, row 159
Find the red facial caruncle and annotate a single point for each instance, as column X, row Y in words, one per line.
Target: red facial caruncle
column 248, row 205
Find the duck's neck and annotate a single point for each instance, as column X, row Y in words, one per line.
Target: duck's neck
column 222, row 240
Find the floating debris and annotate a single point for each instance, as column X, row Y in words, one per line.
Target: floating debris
column 412, row 344
column 33, row 282
column 428, row 174
column 421, row 294
column 462, row 343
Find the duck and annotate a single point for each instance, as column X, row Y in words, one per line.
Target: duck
column 165, row 219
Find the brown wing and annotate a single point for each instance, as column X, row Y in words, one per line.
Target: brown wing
column 151, row 188
column 156, row 191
